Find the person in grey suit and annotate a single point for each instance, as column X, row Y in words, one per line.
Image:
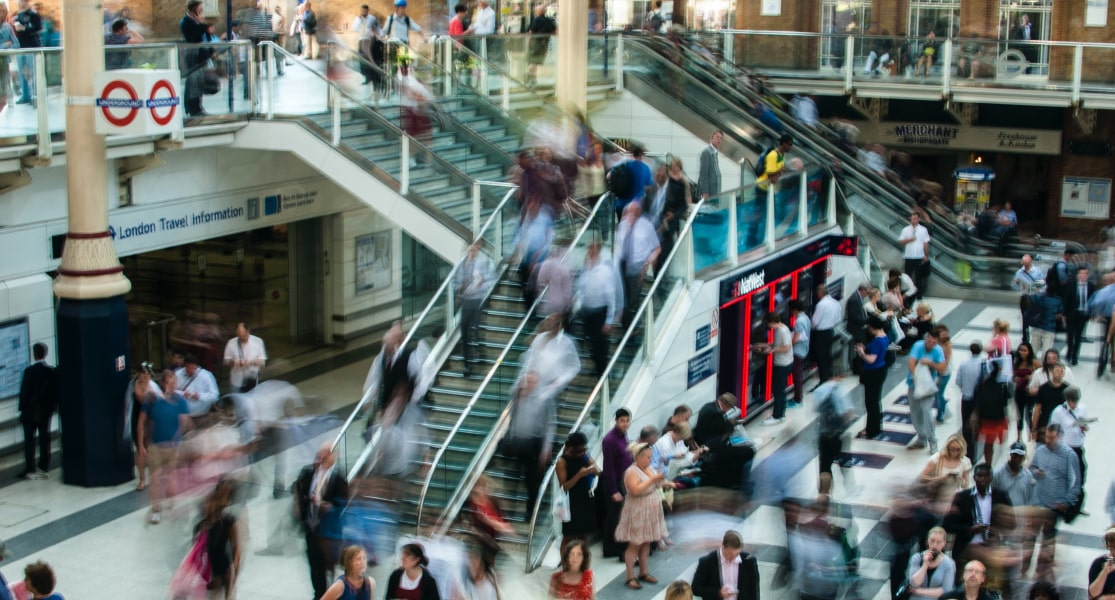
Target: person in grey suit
column 709, row 180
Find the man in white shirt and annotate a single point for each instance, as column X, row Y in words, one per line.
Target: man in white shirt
column 473, row 280
column 599, row 289
column 1028, row 280
column 485, row 21
column 360, row 22
column 915, row 238
column 637, row 248
column 1071, row 416
column 826, row 316
column 198, row 386
column 245, row 355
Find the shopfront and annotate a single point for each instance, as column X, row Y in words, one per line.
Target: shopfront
column 746, row 297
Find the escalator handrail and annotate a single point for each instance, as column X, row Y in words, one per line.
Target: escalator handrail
column 449, row 509
column 416, row 325
column 594, row 395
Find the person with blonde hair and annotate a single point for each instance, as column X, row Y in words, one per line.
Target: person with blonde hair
column 947, row 471
column 641, row 521
column 679, row 590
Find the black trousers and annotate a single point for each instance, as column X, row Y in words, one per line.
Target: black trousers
column 1074, row 329
column 919, row 272
column 611, row 547
column 526, row 454
column 593, row 320
column 872, row 381
column 42, row 428
column 828, row 447
column 470, row 319
column 315, row 555
column 821, row 342
column 967, row 407
column 632, row 295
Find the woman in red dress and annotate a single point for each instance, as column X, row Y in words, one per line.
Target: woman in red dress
column 574, row 580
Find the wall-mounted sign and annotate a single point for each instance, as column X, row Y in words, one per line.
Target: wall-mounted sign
column 701, row 367
column 1095, row 13
column 770, row 8
column 958, row 137
column 1085, row 198
column 137, row 101
column 745, row 282
column 704, row 337
column 373, row 261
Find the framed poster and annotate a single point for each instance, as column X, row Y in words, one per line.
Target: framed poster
column 15, row 355
column 373, row 261
column 1095, row 13
column 1085, row 198
column 770, row 8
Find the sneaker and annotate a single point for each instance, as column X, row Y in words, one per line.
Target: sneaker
column 155, row 518
column 36, row 476
column 933, row 448
column 916, row 446
column 772, row 421
column 793, row 404
column 41, row 474
column 23, row 101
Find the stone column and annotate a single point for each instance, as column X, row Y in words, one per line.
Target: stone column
column 92, row 316
column 572, row 56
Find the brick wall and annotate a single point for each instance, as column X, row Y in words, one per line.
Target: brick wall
column 1068, row 24
column 1072, row 165
column 776, row 52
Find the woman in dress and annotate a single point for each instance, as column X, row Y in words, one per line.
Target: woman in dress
column 641, row 522
column 1025, row 364
column 574, row 580
column 354, row 584
column 931, row 573
column 411, row 581
column 576, row 473
column 140, row 391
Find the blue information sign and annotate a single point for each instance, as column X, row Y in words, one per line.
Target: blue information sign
column 701, row 367
column 704, row 335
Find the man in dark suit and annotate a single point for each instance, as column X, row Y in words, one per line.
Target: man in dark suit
column 740, row 570
column 726, row 464
column 320, row 495
column 38, row 399
column 1075, row 298
column 975, row 513
column 708, row 179
column 855, row 318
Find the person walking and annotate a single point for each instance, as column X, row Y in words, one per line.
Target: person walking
column 530, row 435
column 968, row 377
column 396, row 365
column 163, row 422
column 915, row 239
column 38, row 401
column 473, row 281
column 412, row 579
column 308, row 30
column 1072, row 416
column 638, row 248
column 599, row 289
column 194, row 31
column 320, row 493
column 992, row 399
column 1077, row 314
column 1025, row 364
column 1028, row 280
column 1057, row 471
column 926, row 354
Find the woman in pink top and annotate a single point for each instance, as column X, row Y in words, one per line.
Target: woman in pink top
column 999, row 346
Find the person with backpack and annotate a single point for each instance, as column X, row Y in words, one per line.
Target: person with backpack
column 309, row 30
column 969, row 375
column 398, row 27
column 628, row 180
column 992, row 397
column 768, row 170
column 1044, row 310
column 654, row 20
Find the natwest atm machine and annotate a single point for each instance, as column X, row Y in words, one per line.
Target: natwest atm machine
column 748, row 295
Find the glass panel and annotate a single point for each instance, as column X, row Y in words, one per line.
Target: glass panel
column 710, row 232
column 303, row 89
column 751, row 218
column 1098, row 71
column 224, row 65
column 601, row 58
column 817, row 198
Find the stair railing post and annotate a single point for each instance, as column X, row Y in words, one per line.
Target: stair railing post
column 335, row 104
column 46, row 149
column 849, row 60
column 831, row 208
column 404, row 171
column 450, row 302
column 272, row 62
column 619, row 63
column 505, row 94
column 648, row 329
column 475, row 209
column 691, row 264
column 1077, row 71
column 447, row 62
column 733, row 228
column 729, row 48
column 803, row 208
column 172, row 62
column 946, row 69
column 770, row 216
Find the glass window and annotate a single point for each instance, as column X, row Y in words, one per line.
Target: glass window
column 1020, row 21
column 840, row 18
column 942, row 17
column 703, row 15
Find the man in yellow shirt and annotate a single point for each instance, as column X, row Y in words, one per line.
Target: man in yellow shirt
column 774, row 160
column 754, row 221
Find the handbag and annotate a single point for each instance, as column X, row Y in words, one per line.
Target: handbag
column 210, row 82
column 904, row 591
column 924, row 383
column 561, row 507
column 192, row 577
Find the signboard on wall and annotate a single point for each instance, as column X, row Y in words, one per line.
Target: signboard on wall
column 1085, row 198
column 373, row 261
column 748, row 281
column 957, row 137
column 15, row 356
column 770, row 8
column 701, row 367
column 137, row 101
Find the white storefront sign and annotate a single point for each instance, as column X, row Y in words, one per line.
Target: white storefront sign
column 138, row 101
column 957, row 137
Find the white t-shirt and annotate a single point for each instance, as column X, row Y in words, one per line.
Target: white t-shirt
column 252, row 351
column 485, row 21
column 783, row 337
column 916, row 248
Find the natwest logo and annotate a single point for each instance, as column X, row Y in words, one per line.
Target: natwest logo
column 749, row 283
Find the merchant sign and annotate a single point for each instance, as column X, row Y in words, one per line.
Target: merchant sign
column 956, row 137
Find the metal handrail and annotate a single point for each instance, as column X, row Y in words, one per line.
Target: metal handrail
column 449, row 509
column 415, row 326
column 810, row 34
column 603, row 380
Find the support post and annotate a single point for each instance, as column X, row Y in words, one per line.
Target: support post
column 92, row 317
column 849, row 63
column 803, row 207
column 571, row 86
column 41, row 115
column 476, row 224
column 831, row 209
column 1077, row 72
column 404, row 168
column 335, row 106
column 733, row 230
column 619, row 63
column 770, row 216
column 946, row 69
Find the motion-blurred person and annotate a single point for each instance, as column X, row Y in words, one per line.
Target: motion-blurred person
column 393, row 366
column 826, row 316
column 530, row 435
column 541, row 29
column 642, row 522
column 1101, row 575
column 265, row 420
column 782, row 358
column 727, row 573
column 485, row 517
column 974, row 513
column 975, row 573
column 1045, row 590
column 727, row 464
column 416, row 100
column 929, row 355
column 402, row 434
column 162, row 423
column 197, row 385
column 1017, row 482
column 599, row 289
column 141, row 390
column 320, row 493
column 873, row 374
column 911, row 520
column 1025, row 364
column 574, row 580
column 245, row 355
column 411, row 580
column 1075, row 296
column 668, row 208
column 637, row 250
column 616, row 461
column 1050, row 395
column 120, row 36
column 39, row 581
column 932, row 572
column 354, row 584
column 553, row 356
column 945, row 341
column 540, row 181
column 1072, row 416
column 679, row 590
column 223, row 539
column 1057, row 471
column 576, row 474
column 834, row 415
column 1028, row 280
column 629, row 179
column 968, row 377
column 992, row 399
column 38, row 400
column 826, row 565
column 532, row 243
column 474, row 280
column 554, row 280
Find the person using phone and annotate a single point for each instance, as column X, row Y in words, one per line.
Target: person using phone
column 576, row 473
column 932, row 572
column 1101, row 575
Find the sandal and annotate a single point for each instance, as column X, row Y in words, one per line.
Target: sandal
column 141, row 486
column 634, row 584
column 647, row 577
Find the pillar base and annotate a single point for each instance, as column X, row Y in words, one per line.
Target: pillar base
column 93, row 364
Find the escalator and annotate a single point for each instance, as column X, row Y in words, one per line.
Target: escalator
column 680, row 82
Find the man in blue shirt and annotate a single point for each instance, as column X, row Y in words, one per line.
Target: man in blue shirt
column 641, row 178
column 161, row 425
column 929, row 353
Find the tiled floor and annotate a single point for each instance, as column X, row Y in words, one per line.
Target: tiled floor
column 100, row 546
